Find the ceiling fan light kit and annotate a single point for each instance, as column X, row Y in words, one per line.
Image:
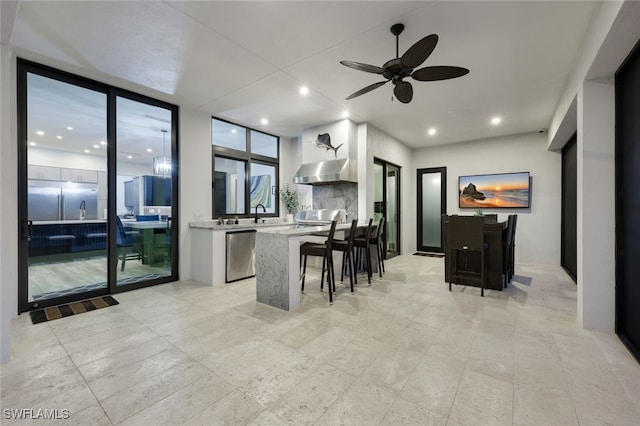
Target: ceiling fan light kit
column 396, row 70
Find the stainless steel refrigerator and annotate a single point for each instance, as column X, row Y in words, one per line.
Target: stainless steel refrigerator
column 62, row 200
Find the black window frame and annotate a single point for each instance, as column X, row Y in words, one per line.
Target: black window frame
column 248, row 158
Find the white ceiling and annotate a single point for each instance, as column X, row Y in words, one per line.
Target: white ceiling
column 244, row 61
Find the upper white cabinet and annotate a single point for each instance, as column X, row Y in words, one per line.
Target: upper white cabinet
column 79, row 175
column 43, row 172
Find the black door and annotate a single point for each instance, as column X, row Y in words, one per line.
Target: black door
column 432, row 204
column 569, row 237
column 628, row 202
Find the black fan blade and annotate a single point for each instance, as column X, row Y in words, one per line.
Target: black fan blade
column 362, row 67
column 438, row 73
column 420, row 51
column 366, row 89
column 403, row 92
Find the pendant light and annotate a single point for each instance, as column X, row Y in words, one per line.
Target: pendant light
column 162, row 165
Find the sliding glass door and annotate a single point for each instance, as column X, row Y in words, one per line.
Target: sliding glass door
column 81, row 144
column 66, row 189
column 386, row 203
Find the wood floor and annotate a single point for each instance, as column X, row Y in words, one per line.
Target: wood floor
column 59, row 276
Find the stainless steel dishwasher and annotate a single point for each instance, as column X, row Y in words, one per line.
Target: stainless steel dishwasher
column 241, row 255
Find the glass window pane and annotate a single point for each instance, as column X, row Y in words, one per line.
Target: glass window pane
column 229, row 186
column 66, row 188
column 143, row 194
column 228, row 135
column 263, row 187
column 264, row 144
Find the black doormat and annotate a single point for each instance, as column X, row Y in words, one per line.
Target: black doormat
column 61, row 311
column 428, row 254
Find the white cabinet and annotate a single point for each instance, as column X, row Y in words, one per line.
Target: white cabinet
column 43, row 172
column 79, row 175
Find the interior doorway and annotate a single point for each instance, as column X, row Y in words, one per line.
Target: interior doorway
column 386, row 203
column 432, row 204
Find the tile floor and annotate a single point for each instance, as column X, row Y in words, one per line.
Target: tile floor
column 403, row 351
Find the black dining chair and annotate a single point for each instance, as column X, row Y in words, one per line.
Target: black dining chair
column 378, row 242
column 466, row 237
column 507, row 242
column 512, row 248
column 128, row 245
column 325, row 251
column 360, row 244
column 346, row 247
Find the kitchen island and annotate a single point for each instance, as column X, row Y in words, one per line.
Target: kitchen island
column 277, row 257
column 278, row 263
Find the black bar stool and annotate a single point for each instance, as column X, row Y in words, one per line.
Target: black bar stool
column 361, row 243
column 346, row 247
column 324, row 251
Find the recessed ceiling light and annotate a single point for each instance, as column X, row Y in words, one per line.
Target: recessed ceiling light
column 40, row 133
column 103, row 143
column 86, row 151
column 432, row 131
column 304, row 90
column 148, row 149
column 32, row 143
column 69, row 128
column 496, row 120
column 129, row 157
column 234, row 131
column 345, row 114
column 58, row 137
column 96, row 146
column 264, row 121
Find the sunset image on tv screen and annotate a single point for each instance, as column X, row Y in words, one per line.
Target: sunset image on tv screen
column 505, row 190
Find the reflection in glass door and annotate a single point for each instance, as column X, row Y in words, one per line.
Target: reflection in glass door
column 386, row 202
column 144, row 243
column 432, row 204
column 64, row 226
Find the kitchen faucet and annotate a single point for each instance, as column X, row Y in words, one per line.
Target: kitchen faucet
column 83, row 211
column 264, row 210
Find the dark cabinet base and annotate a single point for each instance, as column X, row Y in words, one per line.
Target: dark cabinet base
column 493, row 236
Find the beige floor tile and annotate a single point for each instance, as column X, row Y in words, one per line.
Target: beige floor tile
column 104, row 366
column 362, row 404
column 126, row 377
column 543, row 406
column 434, row 383
column 403, row 412
column 392, row 369
column 483, row 400
column 183, row 405
column 310, row 398
column 235, row 408
column 403, row 351
column 131, row 400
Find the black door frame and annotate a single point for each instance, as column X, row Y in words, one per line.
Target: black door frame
column 443, row 206
column 627, row 295
column 23, row 68
column 388, row 223
column 568, row 213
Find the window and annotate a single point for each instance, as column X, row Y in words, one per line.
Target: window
column 245, row 170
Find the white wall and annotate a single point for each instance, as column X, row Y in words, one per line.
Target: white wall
column 596, row 206
column 195, row 177
column 538, row 231
column 8, row 201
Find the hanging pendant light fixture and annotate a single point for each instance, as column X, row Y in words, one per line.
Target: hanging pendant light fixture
column 162, row 165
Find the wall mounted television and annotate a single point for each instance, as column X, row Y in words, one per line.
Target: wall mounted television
column 494, row 191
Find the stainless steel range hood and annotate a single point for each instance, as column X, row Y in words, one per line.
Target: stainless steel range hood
column 327, row 172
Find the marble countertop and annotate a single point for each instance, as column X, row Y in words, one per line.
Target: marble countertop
column 68, row 222
column 279, row 228
column 214, row 226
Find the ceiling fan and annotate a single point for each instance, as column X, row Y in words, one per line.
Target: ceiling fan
column 396, row 70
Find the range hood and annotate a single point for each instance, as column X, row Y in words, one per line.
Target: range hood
column 327, row 172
